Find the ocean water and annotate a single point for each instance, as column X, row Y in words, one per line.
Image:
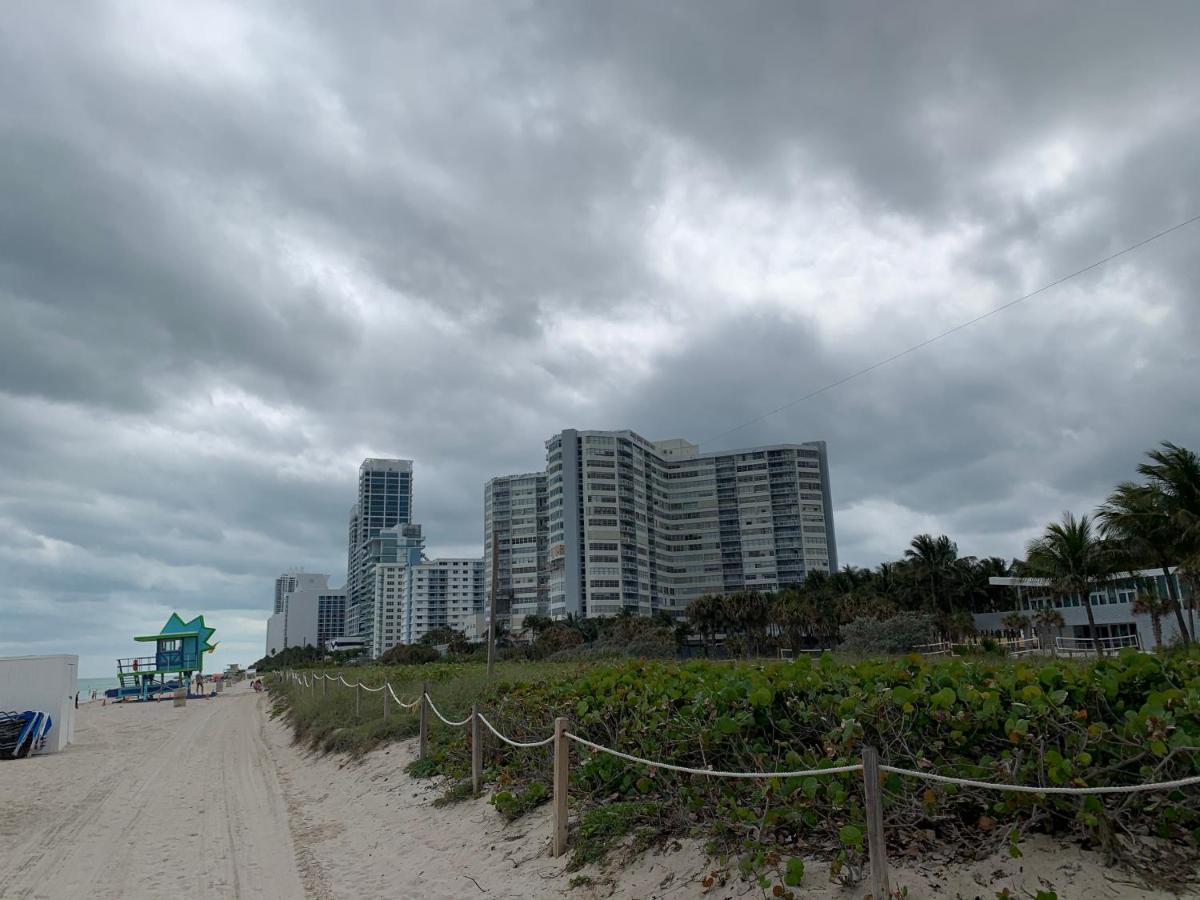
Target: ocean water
column 85, row 686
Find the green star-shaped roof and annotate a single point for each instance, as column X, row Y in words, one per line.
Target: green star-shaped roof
column 176, row 625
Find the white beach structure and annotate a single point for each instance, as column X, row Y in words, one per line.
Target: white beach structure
column 44, row 683
column 1117, row 625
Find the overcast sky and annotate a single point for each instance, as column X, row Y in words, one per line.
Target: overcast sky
column 242, row 246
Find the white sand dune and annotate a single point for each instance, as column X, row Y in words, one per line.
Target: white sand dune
column 213, row 800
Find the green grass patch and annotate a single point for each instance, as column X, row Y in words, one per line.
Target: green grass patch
column 514, row 803
column 602, row 828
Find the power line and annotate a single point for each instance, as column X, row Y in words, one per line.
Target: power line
column 956, row 328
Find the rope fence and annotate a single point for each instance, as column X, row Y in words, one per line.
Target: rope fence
column 872, row 769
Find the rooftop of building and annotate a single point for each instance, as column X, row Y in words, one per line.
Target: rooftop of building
column 673, row 449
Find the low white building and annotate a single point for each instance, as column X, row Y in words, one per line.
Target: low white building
column 43, row 684
column 1112, row 607
column 312, row 614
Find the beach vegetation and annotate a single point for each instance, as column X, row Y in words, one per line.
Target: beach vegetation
column 1123, row 719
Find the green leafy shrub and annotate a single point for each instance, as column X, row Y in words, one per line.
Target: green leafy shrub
column 899, row 634
column 1126, row 719
column 409, row 654
column 512, row 804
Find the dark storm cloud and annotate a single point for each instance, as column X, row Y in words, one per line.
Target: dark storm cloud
column 241, row 247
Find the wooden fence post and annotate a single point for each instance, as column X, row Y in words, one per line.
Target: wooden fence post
column 476, row 752
column 876, row 845
column 324, row 686
column 385, row 701
column 424, row 746
column 357, row 699
column 562, row 771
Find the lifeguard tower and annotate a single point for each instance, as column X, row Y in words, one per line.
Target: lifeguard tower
column 179, row 652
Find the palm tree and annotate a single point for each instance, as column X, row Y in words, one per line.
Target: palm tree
column 974, row 581
column 1016, row 621
column 1156, row 606
column 704, row 613
column 1073, row 560
column 1138, row 518
column 1175, row 472
column 933, row 562
column 1046, row 618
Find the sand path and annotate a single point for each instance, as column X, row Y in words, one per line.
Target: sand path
column 150, row 802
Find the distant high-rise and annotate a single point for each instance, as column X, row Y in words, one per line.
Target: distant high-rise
column 442, row 593
column 310, row 613
column 283, row 585
column 647, row 526
column 514, row 544
column 393, row 551
column 384, row 501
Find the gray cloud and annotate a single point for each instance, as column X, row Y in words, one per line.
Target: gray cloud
column 243, row 247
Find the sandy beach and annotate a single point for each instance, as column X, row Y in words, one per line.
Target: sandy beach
column 150, row 801
column 214, row 801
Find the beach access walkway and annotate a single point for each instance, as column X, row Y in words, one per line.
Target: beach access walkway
column 150, row 801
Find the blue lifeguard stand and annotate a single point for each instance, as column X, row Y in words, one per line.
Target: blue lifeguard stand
column 179, row 650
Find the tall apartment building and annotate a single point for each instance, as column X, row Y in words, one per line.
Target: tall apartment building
column 384, row 501
column 442, row 593
column 284, row 584
column 647, row 526
column 396, row 549
column 311, row 613
column 515, row 538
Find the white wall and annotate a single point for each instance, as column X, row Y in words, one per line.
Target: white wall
column 302, row 618
column 275, row 635
column 46, row 683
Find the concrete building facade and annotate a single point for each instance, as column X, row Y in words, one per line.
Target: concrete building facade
column 284, row 584
column 384, row 501
column 515, row 540
column 1117, row 624
column 442, row 593
column 404, row 547
column 648, row 526
column 312, row 614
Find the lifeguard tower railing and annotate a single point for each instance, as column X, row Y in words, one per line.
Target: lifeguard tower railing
column 143, row 664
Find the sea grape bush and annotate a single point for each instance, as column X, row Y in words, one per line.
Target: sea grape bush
column 1121, row 720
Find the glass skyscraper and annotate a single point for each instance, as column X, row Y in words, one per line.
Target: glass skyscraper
column 384, row 501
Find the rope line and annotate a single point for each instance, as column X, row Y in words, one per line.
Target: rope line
column 834, row 770
column 429, row 700
column 369, row 688
column 1034, row 789
column 400, row 702
column 801, row 773
column 510, row 741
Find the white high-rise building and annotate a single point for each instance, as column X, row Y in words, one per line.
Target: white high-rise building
column 404, row 547
column 650, row 525
column 442, row 593
column 514, row 544
column 311, row 614
column 412, row 599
